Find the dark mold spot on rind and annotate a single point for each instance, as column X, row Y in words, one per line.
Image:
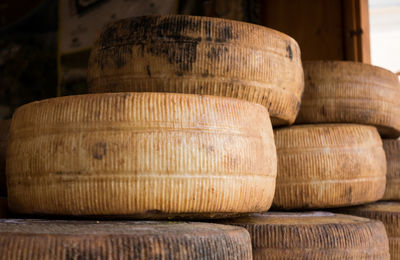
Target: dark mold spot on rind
column 99, row 150
column 289, row 51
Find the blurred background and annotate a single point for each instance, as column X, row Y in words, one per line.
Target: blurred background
column 45, row 44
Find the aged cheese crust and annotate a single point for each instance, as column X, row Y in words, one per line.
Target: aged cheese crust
column 4, row 128
column 350, row 92
column 87, row 240
column 328, row 165
column 314, row 235
column 200, row 55
column 392, row 151
column 389, row 214
column 141, row 154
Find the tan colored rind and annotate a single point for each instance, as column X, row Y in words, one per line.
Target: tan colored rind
column 389, row 214
column 392, row 151
column 314, row 235
column 350, row 92
column 141, row 153
column 4, row 129
column 328, row 165
column 84, row 240
column 200, row 55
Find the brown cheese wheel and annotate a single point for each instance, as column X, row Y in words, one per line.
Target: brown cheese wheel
column 392, row 151
column 141, row 153
column 314, row 235
column 4, row 128
column 350, row 92
column 389, row 214
column 87, row 240
column 328, row 165
column 200, row 55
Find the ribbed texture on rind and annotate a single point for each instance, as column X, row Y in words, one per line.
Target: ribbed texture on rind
column 389, row 214
column 200, row 55
column 392, row 151
column 322, row 166
column 132, row 153
column 147, row 241
column 4, row 129
column 349, row 92
column 308, row 237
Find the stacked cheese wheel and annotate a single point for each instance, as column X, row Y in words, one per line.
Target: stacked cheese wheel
column 314, row 235
column 333, row 156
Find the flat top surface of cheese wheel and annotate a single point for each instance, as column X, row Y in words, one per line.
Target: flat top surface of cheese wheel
column 200, row 55
column 381, row 206
column 351, row 92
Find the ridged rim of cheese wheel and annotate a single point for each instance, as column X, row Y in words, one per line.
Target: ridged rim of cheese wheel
column 200, row 55
column 389, row 214
column 44, row 239
column 314, row 235
column 351, row 92
column 392, row 151
column 328, row 165
column 4, row 129
column 108, row 154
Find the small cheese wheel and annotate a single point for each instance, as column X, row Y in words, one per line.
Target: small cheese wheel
column 314, row 235
column 4, row 129
column 87, row 240
column 141, row 154
column 392, row 151
column 389, row 214
column 200, row 55
column 328, row 165
column 350, row 92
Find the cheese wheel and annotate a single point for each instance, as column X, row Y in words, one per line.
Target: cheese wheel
column 392, row 151
column 200, row 55
column 314, row 235
column 87, row 240
column 350, row 92
column 141, row 154
column 4, row 128
column 389, row 214
column 328, row 165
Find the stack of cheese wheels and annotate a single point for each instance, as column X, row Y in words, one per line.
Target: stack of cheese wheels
column 4, row 129
column 200, row 55
column 328, row 165
column 41, row 239
column 392, row 151
column 314, row 235
column 141, row 154
column 389, row 214
column 350, row 92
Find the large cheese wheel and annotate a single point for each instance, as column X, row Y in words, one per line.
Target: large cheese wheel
column 314, row 235
column 389, row 214
column 4, row 128
column 141, row 153
column 87, row 240
column 200, row 55
column 392, row 151
column 350, row 92
column 322, row 166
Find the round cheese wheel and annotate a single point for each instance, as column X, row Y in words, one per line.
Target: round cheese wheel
column 141, row 154
column 389, row 214
column 392, row 151
column 4, row 128
column 200, row 55
column 314, row 235
column 328, row 165
column 86, row 240
column 350, row 92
